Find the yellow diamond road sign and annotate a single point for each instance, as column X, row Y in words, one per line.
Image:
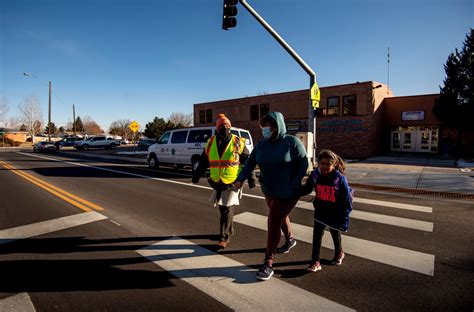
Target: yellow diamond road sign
column 134, row 126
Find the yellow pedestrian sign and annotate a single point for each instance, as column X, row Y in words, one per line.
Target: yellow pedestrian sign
column 134, row 126
column 315, row 95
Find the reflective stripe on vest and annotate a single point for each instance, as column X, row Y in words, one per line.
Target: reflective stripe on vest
column 226, row 168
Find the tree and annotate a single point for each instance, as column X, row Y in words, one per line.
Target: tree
column 455, row 105
column 157, row 127
column 4, row 108
column 53, row 128
column 181, row 119
column 31, row 114
column 91, row 127
column 78, row 124
column 120, row 127
column 37, row 126
column 15, row 124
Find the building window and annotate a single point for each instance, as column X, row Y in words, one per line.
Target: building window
column 258, row 111
column 208, row 115
column 202, row 116
column 254, row 112
column 264, row 109
column 349, row 104
column 333, row 106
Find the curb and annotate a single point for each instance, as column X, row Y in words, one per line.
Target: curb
column 415, row 191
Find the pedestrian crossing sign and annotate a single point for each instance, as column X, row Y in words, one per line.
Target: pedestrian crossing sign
column 134, row 126
column 315, row 95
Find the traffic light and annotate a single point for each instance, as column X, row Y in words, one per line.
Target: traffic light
column 230, row 11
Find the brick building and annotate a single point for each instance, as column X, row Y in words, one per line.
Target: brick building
column 356, row 120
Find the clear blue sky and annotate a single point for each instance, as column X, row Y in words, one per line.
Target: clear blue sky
column 137, row 59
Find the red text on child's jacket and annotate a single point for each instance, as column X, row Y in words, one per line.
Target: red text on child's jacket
column 326, row 193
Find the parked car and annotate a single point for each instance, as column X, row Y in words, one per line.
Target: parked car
column 183, row 147
column 143, row 144
column 45, row 146
column 69, row 141
column 96, row 142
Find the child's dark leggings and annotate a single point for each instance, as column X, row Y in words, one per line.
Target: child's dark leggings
column 318, row 232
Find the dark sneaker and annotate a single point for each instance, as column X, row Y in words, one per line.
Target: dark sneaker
column 264, row 273
column 288, row 245
column 337, row 260
column 314, row 267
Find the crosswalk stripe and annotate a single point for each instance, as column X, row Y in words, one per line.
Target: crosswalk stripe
column 393, row 205
column 45, row 227
column 395, row 256
column 230, row 282
column 20, row 302
column 380, row 218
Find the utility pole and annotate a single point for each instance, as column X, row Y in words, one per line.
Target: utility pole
column 74, row 119
column 388, row 70
column 49, row 113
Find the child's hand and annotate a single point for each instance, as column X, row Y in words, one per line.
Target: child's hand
column 237, row 185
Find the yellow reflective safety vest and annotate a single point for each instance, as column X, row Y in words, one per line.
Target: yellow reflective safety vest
column 227, row 167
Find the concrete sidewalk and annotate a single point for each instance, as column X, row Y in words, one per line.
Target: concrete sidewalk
column 429, row 175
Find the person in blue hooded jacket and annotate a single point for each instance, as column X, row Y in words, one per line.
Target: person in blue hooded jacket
column 282, row 161
column 332, row 204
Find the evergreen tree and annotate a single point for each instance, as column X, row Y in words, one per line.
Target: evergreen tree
column 79, row 125
column 53, row 128
column 157, row 127
column 455, row 105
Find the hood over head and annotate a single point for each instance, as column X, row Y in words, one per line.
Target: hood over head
column 280, row 121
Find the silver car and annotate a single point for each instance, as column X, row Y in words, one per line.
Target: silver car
column 45, row 146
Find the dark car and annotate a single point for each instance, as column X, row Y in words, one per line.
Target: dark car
column 45, row 146
column 69, row 141
column 145, row 143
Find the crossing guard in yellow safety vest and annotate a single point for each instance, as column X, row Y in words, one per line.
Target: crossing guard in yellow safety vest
column 224, row 155
column 225, row 167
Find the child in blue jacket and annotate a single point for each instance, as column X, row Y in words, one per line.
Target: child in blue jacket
column 332, row 204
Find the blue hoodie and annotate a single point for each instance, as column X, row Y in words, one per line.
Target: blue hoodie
column 282, row 162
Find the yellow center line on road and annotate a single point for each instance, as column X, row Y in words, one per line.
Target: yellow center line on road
column 68, row 197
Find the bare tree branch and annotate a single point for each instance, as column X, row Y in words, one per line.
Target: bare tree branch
column 31, row 114
column 178, row 118
column 4, row 108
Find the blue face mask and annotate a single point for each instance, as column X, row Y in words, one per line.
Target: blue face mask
column 267, row 132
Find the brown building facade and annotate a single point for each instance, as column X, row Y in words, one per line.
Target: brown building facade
column 355, row 120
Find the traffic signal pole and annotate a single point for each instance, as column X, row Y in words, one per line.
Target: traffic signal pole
column 301, row 62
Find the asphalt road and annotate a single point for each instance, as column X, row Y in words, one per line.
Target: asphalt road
column 83, row 235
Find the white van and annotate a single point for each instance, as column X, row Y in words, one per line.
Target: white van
column 183, row 147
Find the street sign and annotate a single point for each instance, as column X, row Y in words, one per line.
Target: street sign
column 315, row 95
column 134, row 126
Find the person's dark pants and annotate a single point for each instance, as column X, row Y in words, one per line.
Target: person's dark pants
column 318, row 233
column 226, row 222
column 278, row 221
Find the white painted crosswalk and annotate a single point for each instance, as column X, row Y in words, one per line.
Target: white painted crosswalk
column 390, row 255
column 381, row 218
column 49, row 226
column 386, row 254
column 230, row 282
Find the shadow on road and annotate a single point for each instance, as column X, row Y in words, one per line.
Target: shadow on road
column 81, row 264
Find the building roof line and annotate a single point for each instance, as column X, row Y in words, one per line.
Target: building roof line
column 294, row 91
